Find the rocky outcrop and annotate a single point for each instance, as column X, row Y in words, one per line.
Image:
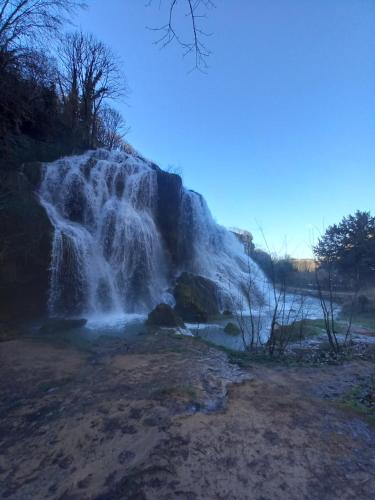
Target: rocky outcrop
column 196, row 298
column 25, row 246
column 164, row 315
column 232, row 329
column 246, row 238
column 150, row 228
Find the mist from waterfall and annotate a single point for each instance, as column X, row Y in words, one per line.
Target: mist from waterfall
column 108, row 255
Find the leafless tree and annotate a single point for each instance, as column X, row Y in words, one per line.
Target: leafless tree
column 326, row 277
column 288, row 309
column 90, row 74
column 326, row 293
column 111, row 128
column 269, row 307
column 26, row 21
column 37, row 67
column 194, row 11
column 250, row 324
column 289, row 315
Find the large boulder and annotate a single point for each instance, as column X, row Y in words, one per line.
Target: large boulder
column 196, row 298
column 232, row 329
column 25, row 248
column 164, row 315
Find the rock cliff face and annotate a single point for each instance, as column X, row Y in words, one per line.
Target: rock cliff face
column 26, row 235
column 109, row 233
column 168, row 210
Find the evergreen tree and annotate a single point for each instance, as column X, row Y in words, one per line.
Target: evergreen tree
column 350, row 246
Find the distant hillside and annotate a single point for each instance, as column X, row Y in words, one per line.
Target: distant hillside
column 303, row 265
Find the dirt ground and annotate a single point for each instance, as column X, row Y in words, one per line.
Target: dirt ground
column 162, row 417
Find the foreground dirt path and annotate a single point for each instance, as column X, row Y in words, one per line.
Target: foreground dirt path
column 165, row 418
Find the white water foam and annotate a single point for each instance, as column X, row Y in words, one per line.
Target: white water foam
column 109, row 259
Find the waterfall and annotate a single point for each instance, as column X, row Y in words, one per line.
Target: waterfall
column 108, row 253
column 210, row 250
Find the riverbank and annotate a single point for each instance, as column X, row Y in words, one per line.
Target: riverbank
column 166, row 416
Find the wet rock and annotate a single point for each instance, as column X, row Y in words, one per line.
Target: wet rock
column 33, row 171
column 196, row 298
column 232, row 329
column 168, row 210
column 62, row 324
column 164, row 315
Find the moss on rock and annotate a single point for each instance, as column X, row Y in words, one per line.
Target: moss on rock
column 196, row 298
column 164, row 315
column 232, row 329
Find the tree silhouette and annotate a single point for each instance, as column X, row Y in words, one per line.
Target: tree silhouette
column 192, row 42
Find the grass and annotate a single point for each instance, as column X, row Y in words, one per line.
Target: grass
column 243, row 358
column 299, row 357
column 361, row 399
column 366, row 319
column 314, row 327
column 302, row 330
column 364, row 314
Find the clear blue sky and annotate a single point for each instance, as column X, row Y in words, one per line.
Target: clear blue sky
column 281, row 130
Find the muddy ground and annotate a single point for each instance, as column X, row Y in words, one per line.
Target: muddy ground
column 166, row 417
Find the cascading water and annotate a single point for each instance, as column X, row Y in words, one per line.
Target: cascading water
column 109, row 256
column 210, row 250
column 107, row 253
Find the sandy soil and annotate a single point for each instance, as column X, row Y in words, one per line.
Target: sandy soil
column 162, row 417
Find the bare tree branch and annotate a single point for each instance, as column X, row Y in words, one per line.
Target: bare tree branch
column 90, row 74
column 111, row 128
column 195, row 10
column 23, row 21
